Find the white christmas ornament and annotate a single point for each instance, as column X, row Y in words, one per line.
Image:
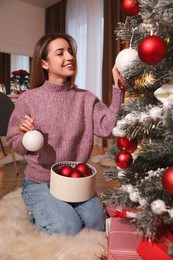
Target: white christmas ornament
column 134, row 196
column 33, row 140
column 125, row 59
column 165, row 93
column 158, row 207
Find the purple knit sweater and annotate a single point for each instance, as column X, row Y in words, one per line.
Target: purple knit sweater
column 68, row 118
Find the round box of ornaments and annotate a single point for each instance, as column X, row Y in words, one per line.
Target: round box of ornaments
column 72, row 181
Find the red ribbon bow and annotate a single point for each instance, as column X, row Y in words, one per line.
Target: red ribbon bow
column 120, row 213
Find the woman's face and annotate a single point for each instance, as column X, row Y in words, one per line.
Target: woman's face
column 60, row 62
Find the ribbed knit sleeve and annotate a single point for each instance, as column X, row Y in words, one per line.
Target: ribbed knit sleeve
column 117, row 98
column 105, row 118
column 14, row 137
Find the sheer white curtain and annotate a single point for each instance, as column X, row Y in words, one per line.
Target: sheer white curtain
column 19, row 62
column 84, row 22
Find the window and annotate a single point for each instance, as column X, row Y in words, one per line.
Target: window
column 84, row 22
column 19, row 62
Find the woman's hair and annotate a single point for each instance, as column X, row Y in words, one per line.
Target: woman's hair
column 39, row 74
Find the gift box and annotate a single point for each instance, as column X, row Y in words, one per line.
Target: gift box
column 72, row 189
column 123, row 241
column 156, row 250
column 119, row 212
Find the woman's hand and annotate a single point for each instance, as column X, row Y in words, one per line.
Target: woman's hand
column 116, row 76
column 26, row 125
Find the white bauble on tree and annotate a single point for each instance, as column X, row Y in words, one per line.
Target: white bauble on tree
column 134, row 196
column 33, row 140
column 125, row 58
column 158, row 207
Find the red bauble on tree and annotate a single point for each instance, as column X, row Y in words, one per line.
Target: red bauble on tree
column 130, row 7
column 129, row 145
column 152, row 50
column 123, row 159
column 167, row 180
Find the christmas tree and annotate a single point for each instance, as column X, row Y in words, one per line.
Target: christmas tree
column 143, row 149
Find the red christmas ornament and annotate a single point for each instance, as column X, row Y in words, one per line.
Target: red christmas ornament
column 167, row 180
column 152, row 49
column 66, row 170
column 130, row 7
column 129, row 145
column 84, row 168
column 123, row 159
column 76, row 174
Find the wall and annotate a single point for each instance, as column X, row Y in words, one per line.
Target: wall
column 21, row 25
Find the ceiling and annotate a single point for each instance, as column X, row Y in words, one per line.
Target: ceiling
column 41, row 3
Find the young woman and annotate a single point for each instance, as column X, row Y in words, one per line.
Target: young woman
column 68, row 118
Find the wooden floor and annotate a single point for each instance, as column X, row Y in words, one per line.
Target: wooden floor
column 9, row 181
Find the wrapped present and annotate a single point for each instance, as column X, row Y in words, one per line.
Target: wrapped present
column 159, row 250
column 119, row 212
column 123, row 241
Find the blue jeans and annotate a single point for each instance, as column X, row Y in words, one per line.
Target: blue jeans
column 55, row 216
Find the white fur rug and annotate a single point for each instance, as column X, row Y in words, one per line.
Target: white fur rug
column 19, row 238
